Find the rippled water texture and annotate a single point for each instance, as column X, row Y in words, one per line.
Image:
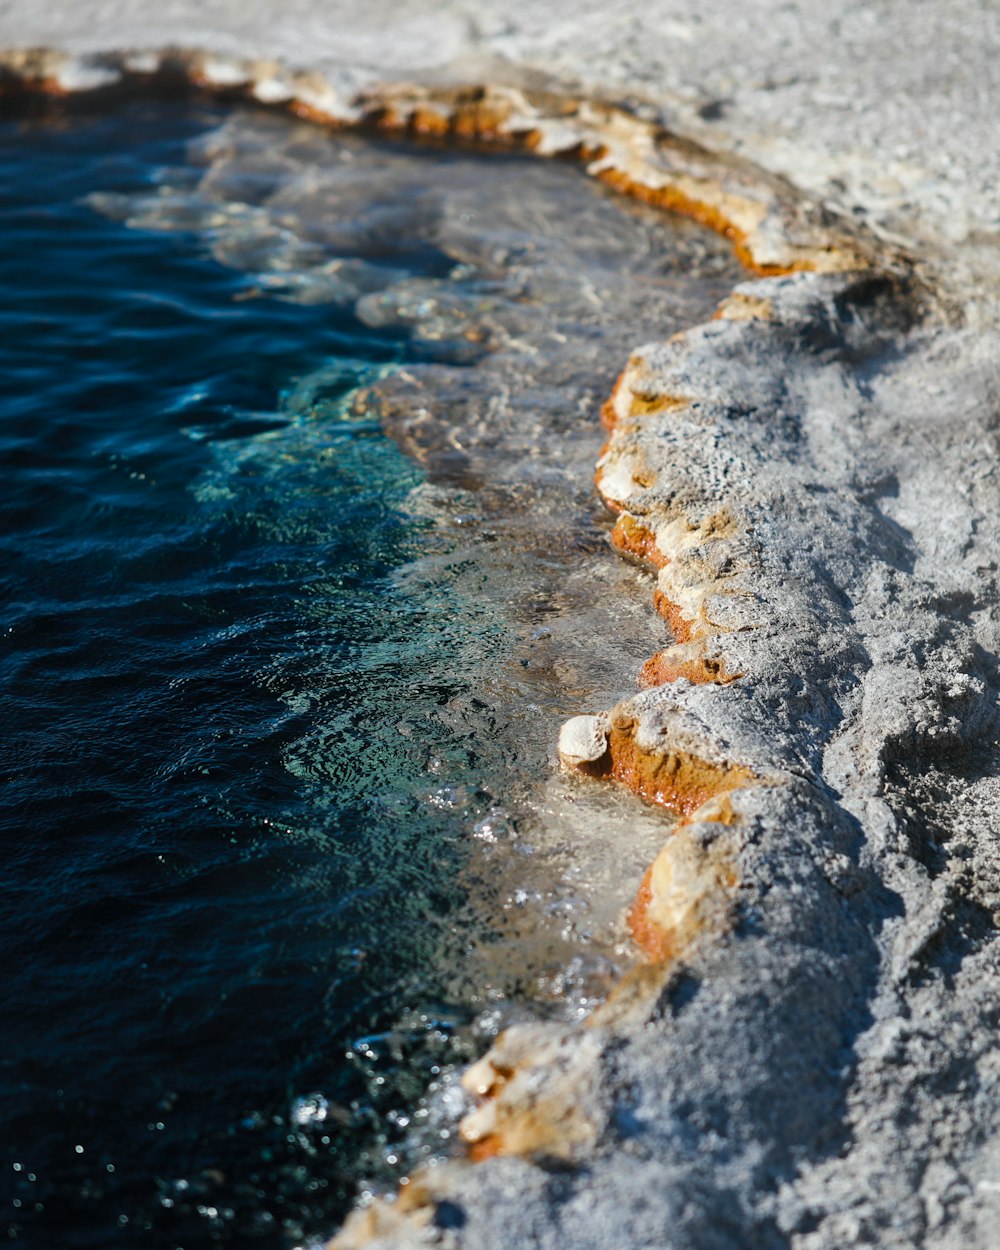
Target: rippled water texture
column 283, row 842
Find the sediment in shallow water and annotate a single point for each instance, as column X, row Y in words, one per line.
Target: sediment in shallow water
column 418, row 629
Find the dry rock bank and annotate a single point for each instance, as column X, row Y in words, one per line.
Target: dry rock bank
column 806, row 1054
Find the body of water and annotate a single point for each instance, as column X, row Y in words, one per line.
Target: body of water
column 272, row 685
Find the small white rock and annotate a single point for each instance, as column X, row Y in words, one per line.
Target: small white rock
column 583, row 739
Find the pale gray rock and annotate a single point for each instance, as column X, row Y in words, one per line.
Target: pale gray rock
column 583, row 739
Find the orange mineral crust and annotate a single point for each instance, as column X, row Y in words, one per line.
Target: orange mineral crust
column 673, row 198
column 687, row 893
column 690, row 664
column 669, row 775
column 632, row 538
column 535, row 1090
column 609, row 413
column 676, row 201
column 674, row 779
column 682, row 627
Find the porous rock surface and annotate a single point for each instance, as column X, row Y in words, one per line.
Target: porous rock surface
column 818, row 1065
column 806, row 1053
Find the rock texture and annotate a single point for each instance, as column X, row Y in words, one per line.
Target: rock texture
column 806, row 1052
column 810, row 1058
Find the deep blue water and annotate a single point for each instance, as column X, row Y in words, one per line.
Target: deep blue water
column 278, row 708
column 222, row 872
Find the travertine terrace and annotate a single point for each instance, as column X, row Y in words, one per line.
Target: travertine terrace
column 805, row 1053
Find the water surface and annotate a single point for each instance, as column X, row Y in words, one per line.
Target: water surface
column 281, row 698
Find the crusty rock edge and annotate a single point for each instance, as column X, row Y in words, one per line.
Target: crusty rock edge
column 773, row 229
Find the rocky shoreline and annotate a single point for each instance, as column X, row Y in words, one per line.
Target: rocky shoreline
column 806, row 1053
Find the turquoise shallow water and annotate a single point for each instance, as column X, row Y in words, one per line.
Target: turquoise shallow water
column 263, row 690
column 221, row 869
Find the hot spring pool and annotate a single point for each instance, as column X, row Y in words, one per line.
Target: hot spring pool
column 282, row 689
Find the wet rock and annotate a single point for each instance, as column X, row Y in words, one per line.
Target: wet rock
column 583, row 739
column 537, row 1087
